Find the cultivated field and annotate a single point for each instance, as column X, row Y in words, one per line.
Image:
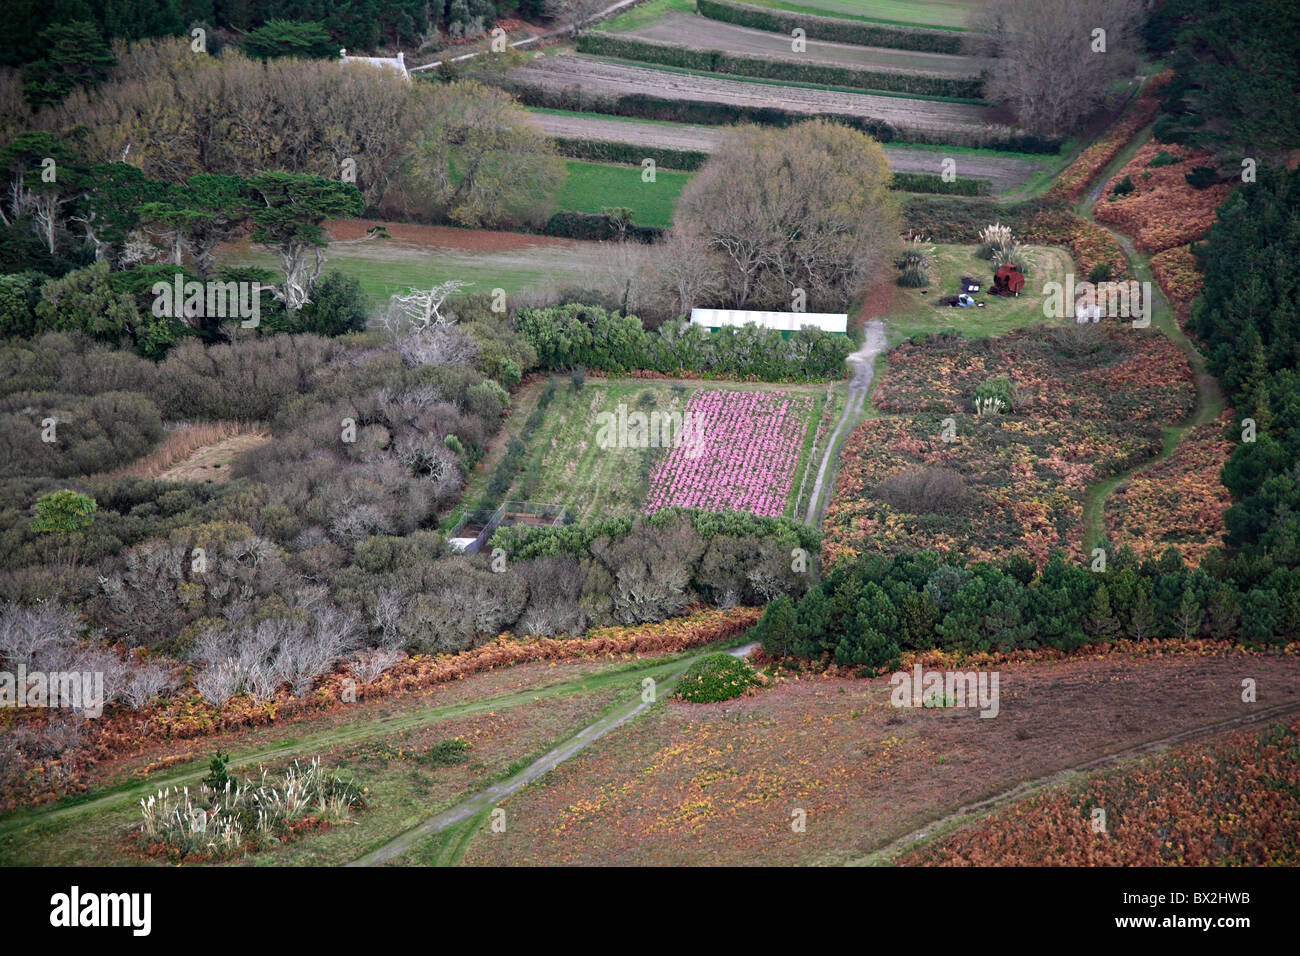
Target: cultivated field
column 1004, row 172
column 718, row 784
column 594, row 187
column 564, row 464
column 704, row 34
column 558, row 73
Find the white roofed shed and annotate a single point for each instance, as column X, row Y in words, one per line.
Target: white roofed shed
column 780, row 321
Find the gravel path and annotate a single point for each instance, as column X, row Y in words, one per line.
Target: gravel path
column 863, row 362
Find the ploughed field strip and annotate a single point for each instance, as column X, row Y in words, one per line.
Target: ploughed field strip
column 1005, row 173
column 703, row 34
column 561, row 73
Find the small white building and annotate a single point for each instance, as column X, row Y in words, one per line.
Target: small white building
column 783, row 322
column 395, row 63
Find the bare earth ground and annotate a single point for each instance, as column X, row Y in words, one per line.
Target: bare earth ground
column 1005, row 173
column 718, row 784
column 595, row 76
column 705, row 34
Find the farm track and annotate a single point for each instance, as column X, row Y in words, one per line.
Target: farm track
column 485, row 800
column 1004, row 173
column 563, row 72
column 704, row 34
column 1027, row 788
column 863, row 363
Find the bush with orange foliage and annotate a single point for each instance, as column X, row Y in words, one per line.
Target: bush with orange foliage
column 1176, row 502
column 1230, row 801
column 1163, row 210
column 1179, row 278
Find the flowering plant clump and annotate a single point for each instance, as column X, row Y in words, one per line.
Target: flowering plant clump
column 215, row 822
column 740, row 456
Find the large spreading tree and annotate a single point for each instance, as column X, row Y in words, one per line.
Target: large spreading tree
column 801, row 216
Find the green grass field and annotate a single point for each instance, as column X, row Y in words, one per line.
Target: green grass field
column 944, row 14
column 591, row 187
column 917, row 312
column 387, row 266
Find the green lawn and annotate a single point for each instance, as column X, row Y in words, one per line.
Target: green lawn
column 592, row 187
column 917, row 311
column 386, row 266
column 944, row 14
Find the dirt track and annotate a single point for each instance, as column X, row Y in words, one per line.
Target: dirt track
column 1004, row 172
column 561, row 72
column 703, row 34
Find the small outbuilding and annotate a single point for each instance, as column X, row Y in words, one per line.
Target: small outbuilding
column 784, row 322
column 969, row 285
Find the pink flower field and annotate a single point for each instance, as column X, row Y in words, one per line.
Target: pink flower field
column 740, row 455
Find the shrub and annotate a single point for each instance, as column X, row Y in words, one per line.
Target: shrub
column 923, row 490
column 1002, row 389
column 338, row 305
column 447, row 753
column 1202, row 177
column 715, row 678
column 1101, row 272
column 1123, row 187
column 1164, row 158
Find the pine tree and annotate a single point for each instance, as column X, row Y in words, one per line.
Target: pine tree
column 1190, row 614
column 1100, row 623
column 1143, row 619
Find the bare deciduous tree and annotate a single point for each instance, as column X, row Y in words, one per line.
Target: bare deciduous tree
column 1056, row 61
column 781, row 211
column 573, row 15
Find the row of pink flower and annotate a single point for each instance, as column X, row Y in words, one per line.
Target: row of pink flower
column 739, row 454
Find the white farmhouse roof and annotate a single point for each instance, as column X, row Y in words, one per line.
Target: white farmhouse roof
column 781, row 321
column 395, row 63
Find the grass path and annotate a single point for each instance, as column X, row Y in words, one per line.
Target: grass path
column 311, row 741
column 1209, row 397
